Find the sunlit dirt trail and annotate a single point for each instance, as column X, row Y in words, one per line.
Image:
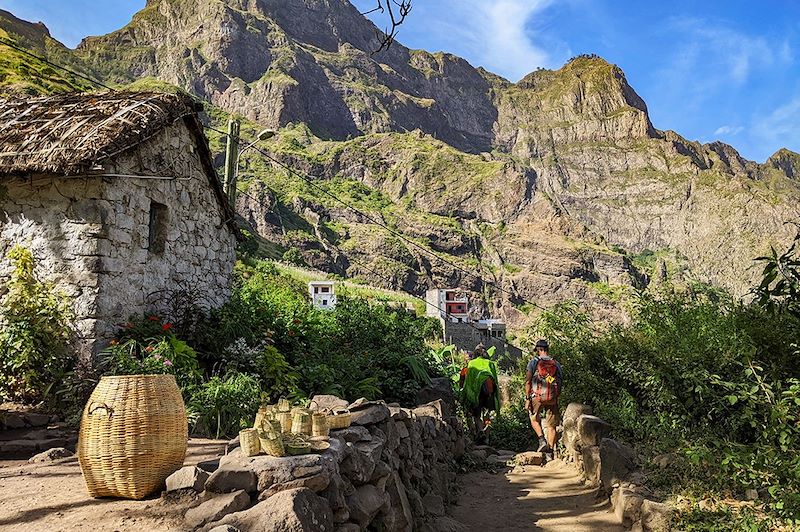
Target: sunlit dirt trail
column 549, row 499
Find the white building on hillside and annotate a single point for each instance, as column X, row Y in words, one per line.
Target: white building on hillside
column 322, row 294
column 447, row 304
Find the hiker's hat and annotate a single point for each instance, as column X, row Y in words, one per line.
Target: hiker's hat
column 542, row 343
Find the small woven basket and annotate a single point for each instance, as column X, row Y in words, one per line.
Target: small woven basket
column 319, row 425
column 283, row 405
column 339, row 420
column 271, row 443
column 248, row 441
column 298, row 448
column 264, row 412
column 133, row 435
column 301, row 422
column 285, row 419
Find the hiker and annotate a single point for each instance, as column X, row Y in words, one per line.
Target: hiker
column 542, row 386
column 479, row 393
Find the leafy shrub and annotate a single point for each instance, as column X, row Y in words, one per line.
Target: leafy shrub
column 223, row 406
column 511, row 429
column 695, row 373
column 264, row 362
column 148, row 346
column 35, row 333
column 270, row 330
column 294, row 256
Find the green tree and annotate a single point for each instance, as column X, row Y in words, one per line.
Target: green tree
column 36, row 333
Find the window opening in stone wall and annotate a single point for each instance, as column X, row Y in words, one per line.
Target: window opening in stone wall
column 157, row 237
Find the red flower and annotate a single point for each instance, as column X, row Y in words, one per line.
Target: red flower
column 153, row 318
column 166, row 327
column 149, row 348
column 296, row 321
column 114, row 342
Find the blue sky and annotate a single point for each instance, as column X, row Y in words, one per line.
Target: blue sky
column 718, row 69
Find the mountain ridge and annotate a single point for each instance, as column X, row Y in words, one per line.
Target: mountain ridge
column 547, row 186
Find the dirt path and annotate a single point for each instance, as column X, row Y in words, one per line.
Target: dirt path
column 547, row 499
column 53, row 497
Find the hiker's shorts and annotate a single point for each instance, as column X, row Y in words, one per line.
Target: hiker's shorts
column 551, row 414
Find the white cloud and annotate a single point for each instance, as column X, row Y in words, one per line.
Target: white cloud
column 504, row 39
column 732, row 52
column 779, row 128
column 728, row 130
column 503, row 36
column 712, row 58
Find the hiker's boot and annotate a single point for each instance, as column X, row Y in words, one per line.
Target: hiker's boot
column 542, row 445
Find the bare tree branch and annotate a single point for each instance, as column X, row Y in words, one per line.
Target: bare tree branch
column 398, row 10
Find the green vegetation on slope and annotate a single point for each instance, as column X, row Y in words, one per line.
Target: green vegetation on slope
column 708, row 382
column 23, row 74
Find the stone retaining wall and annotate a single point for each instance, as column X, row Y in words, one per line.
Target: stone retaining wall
column 611, row 467
column 392, row 470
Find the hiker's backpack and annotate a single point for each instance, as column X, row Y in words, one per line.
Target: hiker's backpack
column 547, row 388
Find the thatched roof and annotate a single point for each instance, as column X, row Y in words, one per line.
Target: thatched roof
column 69, row 134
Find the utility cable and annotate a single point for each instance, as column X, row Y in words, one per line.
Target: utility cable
column 363, row 265
column 54, row 65
column 309, row 179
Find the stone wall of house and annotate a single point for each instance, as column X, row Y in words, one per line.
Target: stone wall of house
column 90, row 235
column 199, row 248
column 466, row 336
column 62, row 222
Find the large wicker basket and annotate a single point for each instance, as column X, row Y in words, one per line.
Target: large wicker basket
column 133, row 435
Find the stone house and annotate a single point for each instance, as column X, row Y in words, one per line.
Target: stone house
column 452, row 308
column 117, row 197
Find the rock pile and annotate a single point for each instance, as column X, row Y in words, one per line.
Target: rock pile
column 392, row 470
column 611, row 467
column 24, row 434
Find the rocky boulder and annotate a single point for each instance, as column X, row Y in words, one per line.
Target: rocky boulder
column 365, row 503
column 187, row 477
column 617, row 461
column 216, row 507
column 369, row 413
column 294, row 510
column 329, row 403
column 49, row 455
column 441, row 389
column 591, row 429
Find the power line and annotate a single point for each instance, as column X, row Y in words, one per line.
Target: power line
column 440, row 309
column 308, row 179
column 54, row 65
column 399, row 289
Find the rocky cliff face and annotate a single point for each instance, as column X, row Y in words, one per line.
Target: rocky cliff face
column 556, row 187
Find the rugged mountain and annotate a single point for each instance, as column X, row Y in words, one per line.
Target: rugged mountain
column 21, row 73
column 555, row 187
column 281, row 61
